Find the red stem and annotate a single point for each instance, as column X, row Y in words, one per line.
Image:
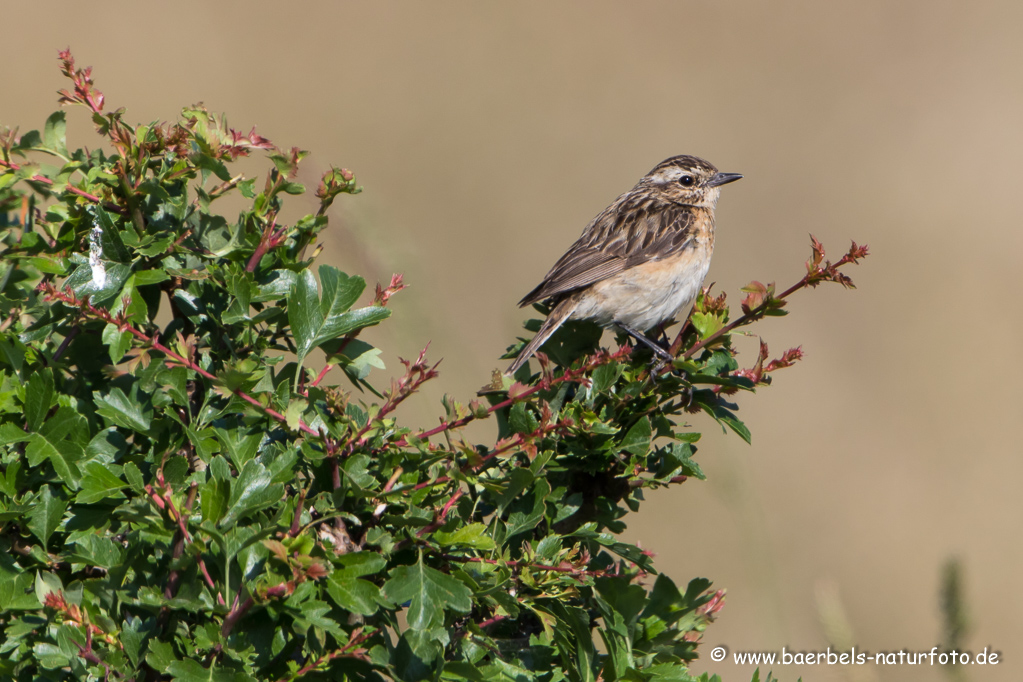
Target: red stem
column 349, row 650
column 820, row 273
column 152, row 341
column 515, row 441
column 71, row 188
column 569, row 375
column 525, row 564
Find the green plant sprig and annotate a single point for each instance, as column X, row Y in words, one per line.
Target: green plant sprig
column 185, row 495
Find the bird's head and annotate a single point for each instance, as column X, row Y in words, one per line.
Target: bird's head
column 687, row 180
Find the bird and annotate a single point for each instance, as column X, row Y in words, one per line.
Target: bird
column 641, row 261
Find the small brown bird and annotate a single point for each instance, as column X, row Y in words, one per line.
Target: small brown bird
column 642, row 260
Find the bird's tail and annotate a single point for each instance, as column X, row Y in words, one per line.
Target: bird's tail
column 562, row 311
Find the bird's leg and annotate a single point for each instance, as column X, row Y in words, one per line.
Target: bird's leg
column 660, row 352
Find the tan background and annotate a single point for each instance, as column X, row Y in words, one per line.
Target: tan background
column 487, row 135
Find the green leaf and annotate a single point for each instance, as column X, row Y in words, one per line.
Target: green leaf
column 520, row 521
column 706, row 323
column 98, row 551
column 55, row 133
column 252, row 490
column 83, row 284
column 316, row 614
column 712, row 406
column 191, row 670
column 417, row 654
column 474, row 535
column 111, row 242
column 134, row 477
column 358, row 564
column 637, row 440
column 213, row 497
column 430, row 593
column 147, row 277
column 99, row 484
column 521, row 420
column 63, row 455
column 683, row 452
column 315, row 320
column 119, row 409
column 133, row 636
column 276, row 285
column 12, row 433
column 47, row 513
column 160, row 655
column 39, row 395
column 239, row 444
column 29, row 140
column 50, row 656
column 572, row 634
column 16, row 592
column 354, row 594
column 118, row 342
column 605, row 376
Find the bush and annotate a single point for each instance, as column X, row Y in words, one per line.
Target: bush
column 185, row 496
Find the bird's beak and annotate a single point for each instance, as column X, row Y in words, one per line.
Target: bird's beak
column 723, row 179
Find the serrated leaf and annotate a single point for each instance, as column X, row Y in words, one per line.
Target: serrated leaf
column 474, row 535
column 134, row 476
column 97, row 551
column 118, row 342
column 106, row 446
column 191, row 670
column 49, row 656
column 706, row 323
column 316, row 319
column 39, row 395
column 276, row 285
column 111, row 242
column 121, row 410
column 47, row 513
column 354, row 594
column 82, row 283
column 520, row 521
column 12, row 433
column 637, row 439
column 725, row 417
column 239, row 444
column 55, row 133
column 16, row 592
column 684, row 452
column 252, row 490
column 521, row 420
column 147, row 277
column 133, row 635
column 63, row 455
column 98, row 484
column 358, row 564
column 213, row 498
column 739, row 427
column 160, row 655
column 605, row 376
column 316, row 613
column 429, row 592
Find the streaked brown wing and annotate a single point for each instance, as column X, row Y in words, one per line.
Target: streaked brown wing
column 628, row 233
column 580, row 266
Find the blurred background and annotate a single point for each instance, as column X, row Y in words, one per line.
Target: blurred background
column 488, row 135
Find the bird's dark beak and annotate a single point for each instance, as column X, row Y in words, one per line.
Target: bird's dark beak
column 723, row 179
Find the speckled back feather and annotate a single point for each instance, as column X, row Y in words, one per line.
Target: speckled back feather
column 635, row 229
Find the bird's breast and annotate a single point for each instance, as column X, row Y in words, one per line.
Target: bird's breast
column 648, row 294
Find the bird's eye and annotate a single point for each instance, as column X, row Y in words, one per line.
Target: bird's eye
column 687, row 181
